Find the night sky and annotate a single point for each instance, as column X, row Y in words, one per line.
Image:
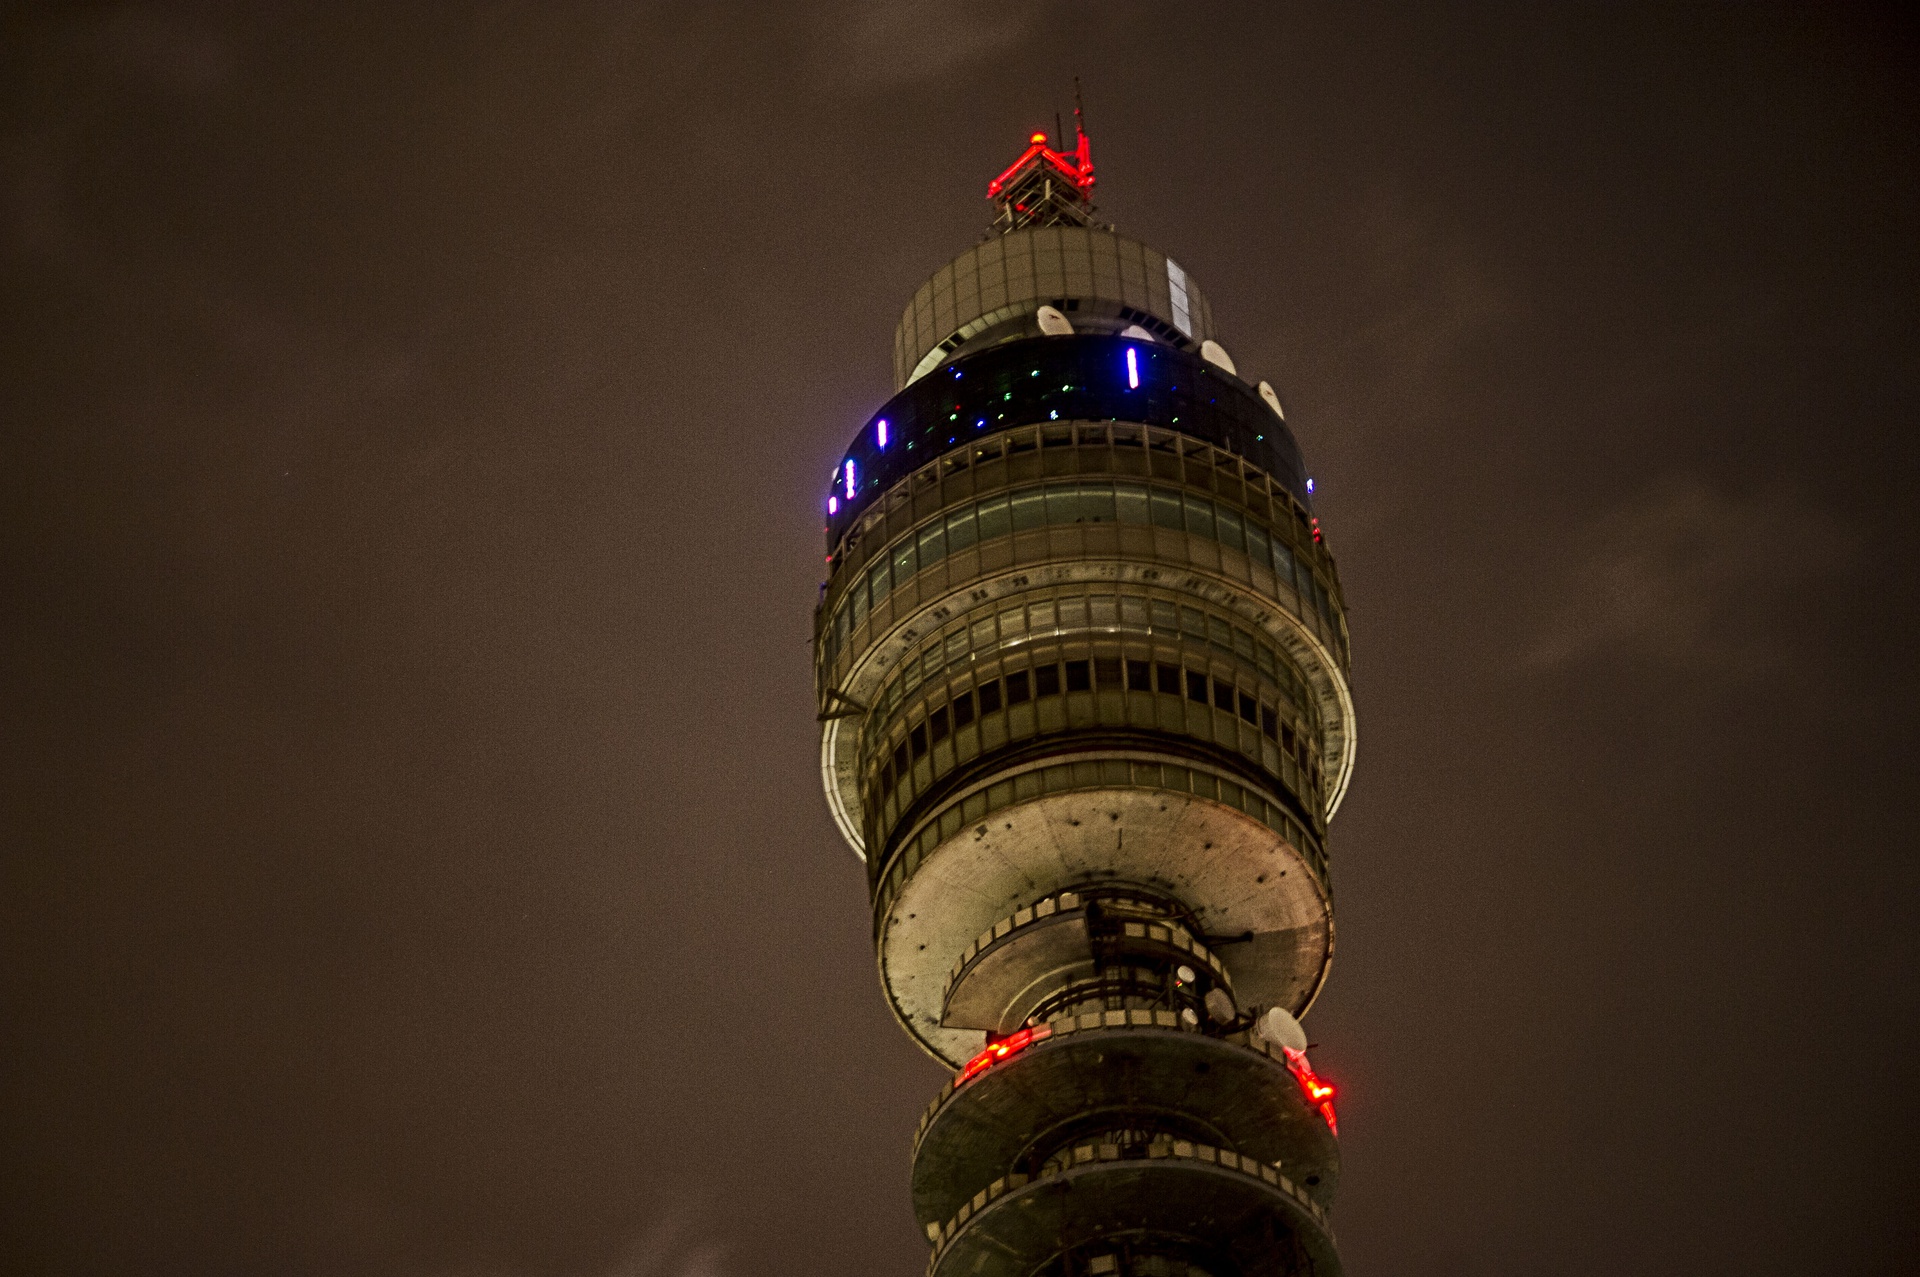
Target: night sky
column 413, row 424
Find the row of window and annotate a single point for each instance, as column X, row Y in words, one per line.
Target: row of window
column 1058, row 450
column 965, row 641
column 1110, row 674
column 1054, row 504
column 1082, row 378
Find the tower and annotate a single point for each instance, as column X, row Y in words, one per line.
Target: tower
column 1082, row 672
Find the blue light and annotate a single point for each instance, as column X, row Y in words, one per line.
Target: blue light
column 833, row 505
column 853, row 479
column 1133, row 369
column 881, row 431
column 1309, row 485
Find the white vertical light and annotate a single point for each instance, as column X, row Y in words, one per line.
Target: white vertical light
column 1177, row 287
column 1133, row 369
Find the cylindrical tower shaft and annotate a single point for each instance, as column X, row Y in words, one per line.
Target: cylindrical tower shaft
column 1082, row 666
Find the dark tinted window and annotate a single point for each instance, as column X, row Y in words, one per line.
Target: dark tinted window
column 1196, row 687
column 1046, row 680
column 1249, row 708
column 1079, row 676
column 1169, row 679
column 900, row 759
column 1106, row 671
column 1286, row 739
column 1269, row 723
column 937, row 721
column 1223, row 695
column 989, row 697
column 918, row 738
column 963, row 709
column 1084, row 378
column 1139, row 676
column 1017, row 689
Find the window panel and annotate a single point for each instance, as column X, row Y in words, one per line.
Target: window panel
column 961, row 528
column 933, row 544
column 994, row 519
column 1096, row 502
column 1130, row 502
column 1227, row 523
column 1282, row 562
column 1199, row 516
column 1019, row 690
column 1259, row 548
column 1029, row 509
column 1166, row 510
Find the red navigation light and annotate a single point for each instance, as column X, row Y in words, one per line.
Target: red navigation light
column 1319, row 1093
column 1075, row 167
column 1011, row 1045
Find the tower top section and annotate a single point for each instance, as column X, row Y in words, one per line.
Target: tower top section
column 1045, row 186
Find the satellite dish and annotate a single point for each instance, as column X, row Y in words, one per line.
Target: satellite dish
column 1219, row 1005
column 1273, row 400
column 1053, row 323
column 1215, row 354
column 1136, row 332
column 1281, row 1029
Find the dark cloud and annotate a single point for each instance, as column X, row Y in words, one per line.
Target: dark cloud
column 1686, row 577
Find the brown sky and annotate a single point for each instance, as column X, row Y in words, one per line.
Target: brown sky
column 412, row 422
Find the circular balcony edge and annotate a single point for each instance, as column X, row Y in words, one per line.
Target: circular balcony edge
column 839, row 763
column 1237, row 877
column 1007, row 1080
column 1000, row 1217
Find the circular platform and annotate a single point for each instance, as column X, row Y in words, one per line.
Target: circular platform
column 1253, row 1218
column 1227, row 1092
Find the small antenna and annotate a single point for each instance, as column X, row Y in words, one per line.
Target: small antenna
column 1079, row 116
column 1059, row 130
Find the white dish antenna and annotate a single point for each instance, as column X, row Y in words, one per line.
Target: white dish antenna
column 1281, row 1029
column 1216, row 354
column 1136, row 332
column 1053, row 323
column 1273, row 400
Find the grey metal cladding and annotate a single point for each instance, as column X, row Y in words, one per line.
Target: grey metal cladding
column 1026, row 268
